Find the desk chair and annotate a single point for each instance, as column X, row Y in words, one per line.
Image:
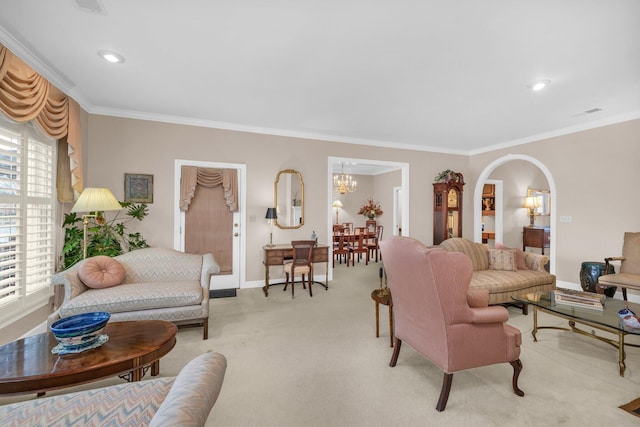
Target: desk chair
column 300, row 264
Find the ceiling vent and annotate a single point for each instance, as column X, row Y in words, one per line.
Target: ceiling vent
column 593, row 110
column 91, row 6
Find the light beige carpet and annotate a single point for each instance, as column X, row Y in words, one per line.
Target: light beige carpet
column 316, row 362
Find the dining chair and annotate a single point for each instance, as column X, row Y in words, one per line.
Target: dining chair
column 374, row 243
column 300, row 264
column 341, row 250
column 348, row 227
column 360, row 246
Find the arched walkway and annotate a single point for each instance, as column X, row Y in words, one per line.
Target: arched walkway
column 477, row 200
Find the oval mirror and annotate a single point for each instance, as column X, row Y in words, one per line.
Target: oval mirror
column 289, row 199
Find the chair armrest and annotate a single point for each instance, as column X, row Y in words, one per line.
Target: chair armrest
column 608, row 260
column 209, row 268
column 493, row 314
column 478, row 298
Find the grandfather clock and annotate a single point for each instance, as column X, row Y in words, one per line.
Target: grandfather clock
column 447, row 208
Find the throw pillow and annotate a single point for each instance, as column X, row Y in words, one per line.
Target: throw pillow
column 101, row 272
column 519, row 256
column 502, row 259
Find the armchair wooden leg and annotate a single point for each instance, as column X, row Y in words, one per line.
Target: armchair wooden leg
column 517, row 368
column 396, row 352
column 624, row 293
column 444, row 392
column 205, row 329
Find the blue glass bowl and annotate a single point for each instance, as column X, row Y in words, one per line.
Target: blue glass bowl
column 80, row 331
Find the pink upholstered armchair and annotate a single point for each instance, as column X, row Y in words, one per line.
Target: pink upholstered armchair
column 436, row 315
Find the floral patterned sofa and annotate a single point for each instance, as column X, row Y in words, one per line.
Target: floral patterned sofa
column 504, row 272
column 185, row 400
column 157, row 284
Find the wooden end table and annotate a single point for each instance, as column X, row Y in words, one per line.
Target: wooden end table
column 383, row 296
column 28, row 366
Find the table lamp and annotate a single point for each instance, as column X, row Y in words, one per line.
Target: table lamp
column 94, row 200
column 532, row 203
column 337, row 204
column 271, row 216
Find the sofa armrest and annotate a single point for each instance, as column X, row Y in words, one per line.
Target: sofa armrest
column 193, row 393
column 209, row 268
column 73, row 286
column 535, row 262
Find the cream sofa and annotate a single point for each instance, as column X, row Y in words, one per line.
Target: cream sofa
column 185, row 400
column 503, row 285
column 159, row 283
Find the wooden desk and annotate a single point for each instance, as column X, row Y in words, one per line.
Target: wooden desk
column 278, row 254
column 536, row 237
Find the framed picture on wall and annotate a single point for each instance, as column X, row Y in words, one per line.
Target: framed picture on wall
column 138, row 188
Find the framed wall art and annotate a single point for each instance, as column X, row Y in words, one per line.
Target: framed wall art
column 138, row 188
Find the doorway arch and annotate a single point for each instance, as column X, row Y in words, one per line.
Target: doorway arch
column 477, row 200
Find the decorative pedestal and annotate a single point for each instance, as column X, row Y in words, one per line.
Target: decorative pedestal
column 589, row 274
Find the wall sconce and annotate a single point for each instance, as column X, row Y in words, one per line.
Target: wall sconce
column 532, row 203
column 94, row 200
column 271, row 216
column 337, row 204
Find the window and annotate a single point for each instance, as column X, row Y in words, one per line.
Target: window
column 27, row 220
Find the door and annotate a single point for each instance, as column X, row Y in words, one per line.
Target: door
column 189, row 234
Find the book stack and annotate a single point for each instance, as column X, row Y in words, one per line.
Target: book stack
column 586, row 300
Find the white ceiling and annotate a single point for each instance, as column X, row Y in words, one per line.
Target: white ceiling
column 444, row 75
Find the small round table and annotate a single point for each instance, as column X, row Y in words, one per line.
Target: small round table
column 383, row 296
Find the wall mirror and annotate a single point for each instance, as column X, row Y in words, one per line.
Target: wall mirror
column 544, row 200
column 289, row 199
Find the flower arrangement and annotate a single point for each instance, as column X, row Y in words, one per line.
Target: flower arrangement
column 370, row 209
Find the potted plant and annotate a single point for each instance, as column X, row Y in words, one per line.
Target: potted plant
column 370, row 209
column 104, row 237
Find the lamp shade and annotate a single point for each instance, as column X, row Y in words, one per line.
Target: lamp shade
column 337, row 204
column 271, row 213
column 96, row 199
column 531, row 202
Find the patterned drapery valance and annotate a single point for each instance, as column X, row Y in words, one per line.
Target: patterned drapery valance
column 192, row 176
column 25, row 95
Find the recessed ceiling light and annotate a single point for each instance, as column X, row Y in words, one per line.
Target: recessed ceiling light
column 111, row 56
column 539, row 85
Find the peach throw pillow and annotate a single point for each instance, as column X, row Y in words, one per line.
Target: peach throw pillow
column 519, row 256
column 101, row 272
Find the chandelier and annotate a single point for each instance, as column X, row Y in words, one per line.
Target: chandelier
column 344, row 183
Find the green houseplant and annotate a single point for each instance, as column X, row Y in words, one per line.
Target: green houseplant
column 104, row 237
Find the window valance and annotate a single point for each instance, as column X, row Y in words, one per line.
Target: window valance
column 25, row 95
column 207, row 177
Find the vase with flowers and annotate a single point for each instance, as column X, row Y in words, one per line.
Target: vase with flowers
column 370, row 209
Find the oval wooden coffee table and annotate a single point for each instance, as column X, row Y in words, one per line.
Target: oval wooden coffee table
column 28, row 366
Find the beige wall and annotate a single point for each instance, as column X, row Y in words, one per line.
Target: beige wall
column 117, row 146
column 596, row 173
